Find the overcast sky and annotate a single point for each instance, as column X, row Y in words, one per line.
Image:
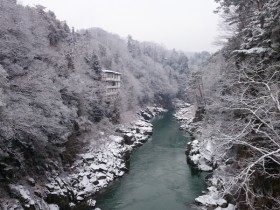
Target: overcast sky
column 187, row 25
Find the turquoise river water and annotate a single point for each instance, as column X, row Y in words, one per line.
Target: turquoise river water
column 159, row 177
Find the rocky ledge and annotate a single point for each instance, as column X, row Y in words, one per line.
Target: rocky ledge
column 91, row 172
column 200, row 154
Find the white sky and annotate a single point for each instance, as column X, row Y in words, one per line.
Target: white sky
column 187, row 25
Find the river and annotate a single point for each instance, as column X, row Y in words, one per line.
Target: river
column 159, row 177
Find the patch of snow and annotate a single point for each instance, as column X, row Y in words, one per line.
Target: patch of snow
column 53, row 207
column 87, row 156
column 72, row 204
column 142, row 123
column 94, row 167
column 117, row 139
column 186, row 114
column 195, row 158
column 254, row 50
column 79, row 198
column 91, row 202
column 208, row 200
column 212, row 198
column 204, row 167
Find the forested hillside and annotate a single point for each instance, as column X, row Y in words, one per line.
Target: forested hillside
column 241, row 120
column 51, row 94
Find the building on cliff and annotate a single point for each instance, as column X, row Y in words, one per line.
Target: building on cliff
column 112, row 80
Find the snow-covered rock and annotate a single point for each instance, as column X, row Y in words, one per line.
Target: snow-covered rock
column 91, row 203
column 141, row 123
column 95, row 169
column 117, row 139
column 200, row 155
column 129, row 138
column 53, row 207
column 186, row 115
column 31, row 181
column 150, row 112
column 23, row 195
column 212, row 198
column 11, row 204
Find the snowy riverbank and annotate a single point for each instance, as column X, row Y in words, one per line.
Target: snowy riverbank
column 91, row 172
column 201, row 155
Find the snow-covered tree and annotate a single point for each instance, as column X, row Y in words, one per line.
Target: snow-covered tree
column 242, row 117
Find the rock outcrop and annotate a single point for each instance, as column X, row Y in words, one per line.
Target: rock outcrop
column 200, row 155
column 199, row 151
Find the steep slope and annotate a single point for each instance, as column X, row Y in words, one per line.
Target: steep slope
column 242, row 112
column 51, row 95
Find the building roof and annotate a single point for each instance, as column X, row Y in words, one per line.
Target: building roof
column 110, row 71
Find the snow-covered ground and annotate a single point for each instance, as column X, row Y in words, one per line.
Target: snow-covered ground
column 200, row 154
column 91, row 172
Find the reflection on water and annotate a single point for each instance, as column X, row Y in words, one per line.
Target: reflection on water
column 159, row 177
